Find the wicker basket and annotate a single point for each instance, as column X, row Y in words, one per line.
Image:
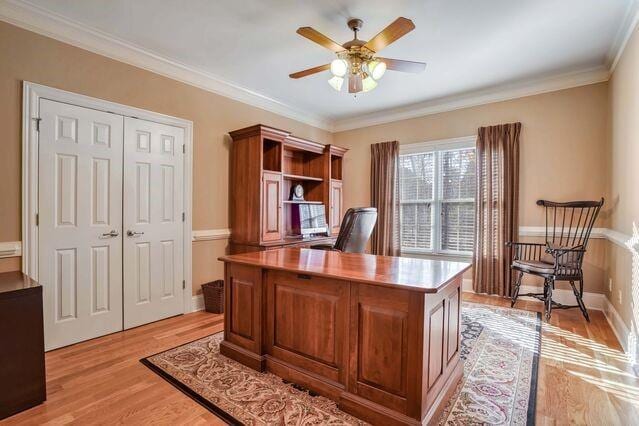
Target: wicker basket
column 214, row 296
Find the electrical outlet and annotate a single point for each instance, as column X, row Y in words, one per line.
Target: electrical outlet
column 610, row 285
column 619, row 296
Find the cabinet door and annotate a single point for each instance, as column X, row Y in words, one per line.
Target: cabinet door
column 336, row 206
column 271, row 206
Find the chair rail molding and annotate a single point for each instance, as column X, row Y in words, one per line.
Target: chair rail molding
column 10, row 249
column 611, row 235
column 211, row 234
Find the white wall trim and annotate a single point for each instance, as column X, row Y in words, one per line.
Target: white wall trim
column 37, row 19
column 626, row 29
column 617, row 237
column 32, row 93
column 211, row 234
column 438, row 145
column 626, row 337
column 611, row 235
column 595, row 301
column 476, row 98
column 10, row 249
column 42, row 21
column 197, row 303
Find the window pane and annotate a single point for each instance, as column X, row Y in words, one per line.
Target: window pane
column 458, row 225
column 458, row 174
column 416, row 174
column 416, row 226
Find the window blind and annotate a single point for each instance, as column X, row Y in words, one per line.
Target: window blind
column 437, row 196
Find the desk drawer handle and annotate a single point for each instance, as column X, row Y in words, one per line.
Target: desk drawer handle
column 303, row 277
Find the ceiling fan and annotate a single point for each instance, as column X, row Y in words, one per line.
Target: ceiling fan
column 356, row 59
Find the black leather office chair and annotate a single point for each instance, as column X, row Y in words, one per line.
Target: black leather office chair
column 354, row 232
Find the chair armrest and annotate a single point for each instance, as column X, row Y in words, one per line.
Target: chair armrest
column 567, row 260
column 560, row 251
column 328, row 247
column 527, row 251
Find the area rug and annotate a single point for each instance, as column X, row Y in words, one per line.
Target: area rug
column 500, row 348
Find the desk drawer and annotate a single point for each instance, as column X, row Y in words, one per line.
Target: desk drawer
column 307, row 322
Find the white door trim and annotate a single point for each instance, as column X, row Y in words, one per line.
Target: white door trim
column 31, row 94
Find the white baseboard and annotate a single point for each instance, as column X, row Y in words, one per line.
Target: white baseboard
column 594, row 301
column 197, row 303
column 626, row 337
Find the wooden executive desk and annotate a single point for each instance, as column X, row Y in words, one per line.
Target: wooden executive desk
column 379, row 335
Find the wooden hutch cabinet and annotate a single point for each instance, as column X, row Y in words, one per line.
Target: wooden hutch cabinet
column 266, row 163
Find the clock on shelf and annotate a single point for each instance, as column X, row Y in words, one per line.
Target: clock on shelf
column 297, row 193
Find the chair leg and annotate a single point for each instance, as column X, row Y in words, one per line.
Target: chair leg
column 516, row 290
column 548, row 285
column 578, row 296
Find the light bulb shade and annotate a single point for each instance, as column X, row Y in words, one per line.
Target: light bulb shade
column 368, row 84
column 336, row 83
column 376, row 69
column 339, row 67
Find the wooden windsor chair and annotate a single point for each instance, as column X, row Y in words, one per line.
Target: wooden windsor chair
column 568, row 228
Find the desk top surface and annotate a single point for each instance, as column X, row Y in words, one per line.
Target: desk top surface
column 15, row 281
column 423, row 275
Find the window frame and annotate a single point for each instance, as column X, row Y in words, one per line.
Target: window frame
column 437, row 147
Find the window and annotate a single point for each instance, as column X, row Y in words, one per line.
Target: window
column 437, row 197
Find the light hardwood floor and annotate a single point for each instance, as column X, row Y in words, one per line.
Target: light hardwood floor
column 584, row 377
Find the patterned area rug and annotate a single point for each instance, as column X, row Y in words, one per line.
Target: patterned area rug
column 500, row 349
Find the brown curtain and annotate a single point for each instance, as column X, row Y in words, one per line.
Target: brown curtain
column 496, row 218
column 385, row 197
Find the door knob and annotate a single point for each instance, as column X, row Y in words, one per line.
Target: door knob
column 113, row 233
column 133, row 233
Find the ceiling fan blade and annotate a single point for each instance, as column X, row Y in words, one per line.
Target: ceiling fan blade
column 310, row 71
column 354, row 83
column 399, row 28
column 404, row 66
column 319, row 38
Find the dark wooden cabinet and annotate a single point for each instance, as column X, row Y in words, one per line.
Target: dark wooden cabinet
column 22, row 374
column 266, row 163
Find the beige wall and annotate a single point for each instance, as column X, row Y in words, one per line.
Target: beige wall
column 27, row 56
column 564, row 147
column 624, row 181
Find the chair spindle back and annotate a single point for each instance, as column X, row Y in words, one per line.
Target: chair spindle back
column 570, row 224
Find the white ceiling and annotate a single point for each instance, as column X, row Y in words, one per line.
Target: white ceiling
column 468, row 45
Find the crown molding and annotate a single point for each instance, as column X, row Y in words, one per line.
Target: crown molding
column 626, row 29
column 39, row 20
column 476, row 98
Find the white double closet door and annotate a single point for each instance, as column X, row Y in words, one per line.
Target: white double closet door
column 110, row 222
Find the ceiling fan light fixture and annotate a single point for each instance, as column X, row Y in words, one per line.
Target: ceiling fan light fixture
column 336, row 83
column 376, row 69
column 339, row 67
column 368, row 84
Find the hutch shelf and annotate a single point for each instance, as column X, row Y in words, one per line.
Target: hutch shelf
column 266, row 163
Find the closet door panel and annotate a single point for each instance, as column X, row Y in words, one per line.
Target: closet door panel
column 80, row 222
column 153, row 222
